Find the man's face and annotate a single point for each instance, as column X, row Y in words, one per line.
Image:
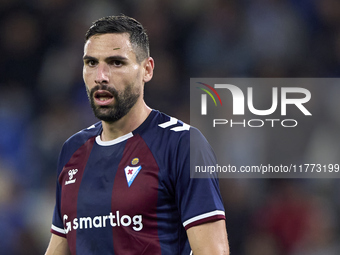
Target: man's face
column 112, row 75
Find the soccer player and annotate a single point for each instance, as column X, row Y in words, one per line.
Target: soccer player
column 124, row 184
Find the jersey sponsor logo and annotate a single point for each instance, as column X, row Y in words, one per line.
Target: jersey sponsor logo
column 71, row 174
column 174, row 121
column 131, row 173
column 103, row 221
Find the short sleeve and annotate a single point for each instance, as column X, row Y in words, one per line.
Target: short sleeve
column 57, row 227
column 198, row 199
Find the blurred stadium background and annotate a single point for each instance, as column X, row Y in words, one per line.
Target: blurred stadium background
column 43, row 102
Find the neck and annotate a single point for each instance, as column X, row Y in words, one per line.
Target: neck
column 132, row 120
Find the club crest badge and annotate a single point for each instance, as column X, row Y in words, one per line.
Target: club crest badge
column 131, row 173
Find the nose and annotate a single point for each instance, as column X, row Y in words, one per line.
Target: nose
column 102, row 75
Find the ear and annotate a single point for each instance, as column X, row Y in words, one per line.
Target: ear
column 149, row 65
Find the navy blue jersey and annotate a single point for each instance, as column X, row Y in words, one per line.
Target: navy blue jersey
column 134, row 194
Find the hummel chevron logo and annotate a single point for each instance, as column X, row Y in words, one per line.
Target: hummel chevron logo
column 173, row 121
column 181, row 128
column 71, row 174
column 169, row 123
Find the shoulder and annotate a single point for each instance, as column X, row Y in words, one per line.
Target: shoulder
column 164, row 133
column 73, row 143
column 84, row 135
column 186, row 134
column 163, row 124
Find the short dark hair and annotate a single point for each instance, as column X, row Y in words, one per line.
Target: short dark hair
column 123, row 24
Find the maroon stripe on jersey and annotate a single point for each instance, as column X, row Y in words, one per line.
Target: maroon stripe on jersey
column 70, row 179
column 135, row 207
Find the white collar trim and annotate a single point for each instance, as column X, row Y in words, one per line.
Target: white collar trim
column 114, row 141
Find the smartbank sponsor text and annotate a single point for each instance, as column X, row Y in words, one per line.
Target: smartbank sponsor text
column 295, row 97
column 102, row 221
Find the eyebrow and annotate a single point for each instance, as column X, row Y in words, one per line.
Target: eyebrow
column 107, row 59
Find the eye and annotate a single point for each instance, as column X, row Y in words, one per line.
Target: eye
column 91, row 62
column 117, row 63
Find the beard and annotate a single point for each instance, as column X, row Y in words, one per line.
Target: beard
column 123, row 102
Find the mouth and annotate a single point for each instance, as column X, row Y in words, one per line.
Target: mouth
column 103, row 97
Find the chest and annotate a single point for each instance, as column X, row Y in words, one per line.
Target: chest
column 121, row 179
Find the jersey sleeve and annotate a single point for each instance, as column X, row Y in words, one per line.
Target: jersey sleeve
column 198, row 199
column 57, row 227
